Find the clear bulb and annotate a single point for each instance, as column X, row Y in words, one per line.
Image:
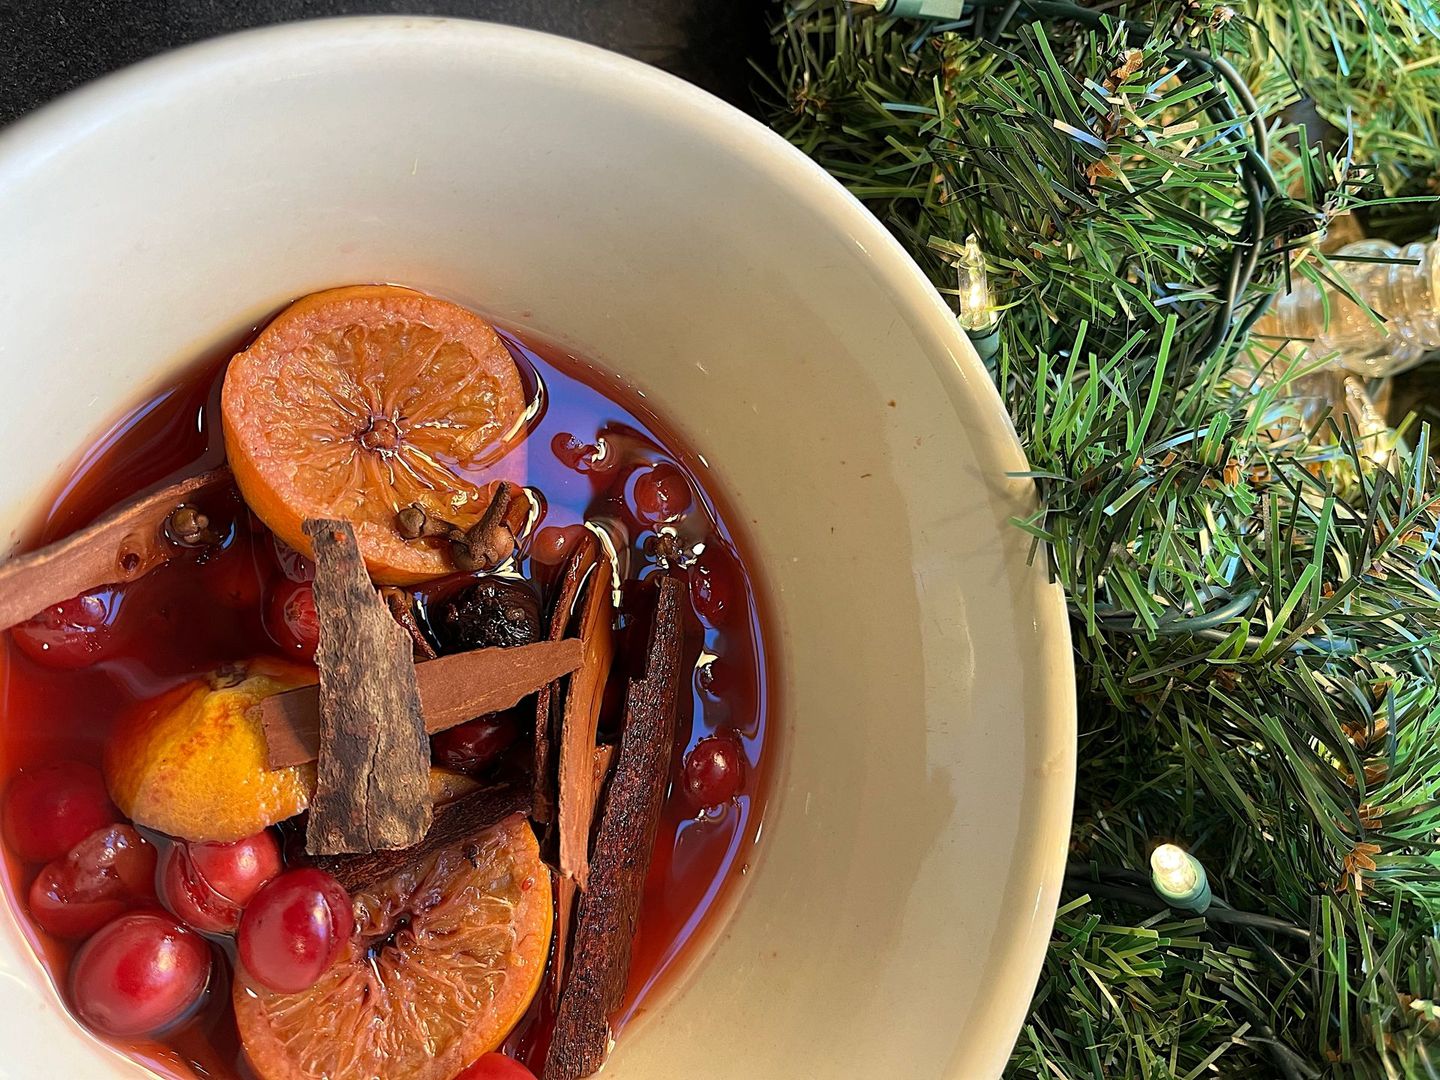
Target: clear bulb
column 1406, row 297
column 977, row 310
column 1174, row 872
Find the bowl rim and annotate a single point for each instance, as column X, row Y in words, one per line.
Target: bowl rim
column 1037, row 869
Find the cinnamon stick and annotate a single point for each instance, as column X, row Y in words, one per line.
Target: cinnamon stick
column 453, row 689
column 372, row 785
column 453, row 822
column 125, row 544
column 605, row 924
column 565, row 887
column 547, row 705
column 580, row 719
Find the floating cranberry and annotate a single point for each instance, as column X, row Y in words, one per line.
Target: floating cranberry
column 714, row 771
column 51, row 809
column 662, row 493
column 581, row 456
column 139, row 975
column 473, row 747
column 496, row 1067
column 716, row 591
column 208, row 884
column 554, row 543
column 294, row 929
column 291, row 620
column 233, row 577
column 104, row 875
column 73, row 633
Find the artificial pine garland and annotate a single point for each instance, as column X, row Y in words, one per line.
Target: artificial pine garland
column 1255, row 594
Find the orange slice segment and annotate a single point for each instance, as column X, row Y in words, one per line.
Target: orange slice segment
column 443, row 963
column 191, row 763
column 357, row 402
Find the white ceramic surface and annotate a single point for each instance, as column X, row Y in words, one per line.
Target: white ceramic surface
column 895, row 919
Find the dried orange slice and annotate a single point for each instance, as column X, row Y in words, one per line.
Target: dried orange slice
column 191, row 762
column 443, row 962
column 355, row 403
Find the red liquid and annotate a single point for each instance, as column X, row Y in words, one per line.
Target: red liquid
column 173, row 628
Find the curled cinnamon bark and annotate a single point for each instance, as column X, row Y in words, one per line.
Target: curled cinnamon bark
column 122, row 546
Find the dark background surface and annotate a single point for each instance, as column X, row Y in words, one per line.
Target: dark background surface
column 50, row 46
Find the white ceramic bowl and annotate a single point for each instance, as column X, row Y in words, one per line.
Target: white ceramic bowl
column 895, row 920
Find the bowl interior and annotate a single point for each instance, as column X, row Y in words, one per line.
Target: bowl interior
column 894, row 920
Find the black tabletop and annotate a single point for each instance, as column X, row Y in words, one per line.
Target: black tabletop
column 50, row 46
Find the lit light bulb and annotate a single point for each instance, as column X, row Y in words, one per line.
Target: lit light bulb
column 977, row 310
column 1179, row 879
column 978, row 317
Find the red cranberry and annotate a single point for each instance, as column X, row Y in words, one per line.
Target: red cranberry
column 472, row 747
column 716, row 590
column 73, row 633
column 107, row 873
column 554, row 543
column 231, row 574
column 714, row 771
column 139, row 975
column 581, row 456
column 291, row 620
column 496, row 1067
column 294, row 929
column 51, row 809
column 209, row 884
column 661, row 493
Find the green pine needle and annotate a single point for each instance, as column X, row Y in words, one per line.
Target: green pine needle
column 1256, row 600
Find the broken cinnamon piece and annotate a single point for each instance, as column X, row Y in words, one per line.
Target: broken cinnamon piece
column 579, row 722
column 453, row 689
column 605, row 924
column 402, row 610
column 547, row 706
column 120, row 547
column 453, row 822
column 372, row 785
column 565, row 888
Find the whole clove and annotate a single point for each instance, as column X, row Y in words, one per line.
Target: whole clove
column 490, row 541
column 122, row 546
column 188, row 527
column 486, row 544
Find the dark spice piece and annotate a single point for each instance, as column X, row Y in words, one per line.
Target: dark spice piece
column 372, row 787
column 492, row 612
column 605, row 926
column 581, row 561
column 490, row 541
column 122, row 546
column 188, row 527
column 487, row 543
column 454, row 822
column 402, row 610
column 453, row 689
